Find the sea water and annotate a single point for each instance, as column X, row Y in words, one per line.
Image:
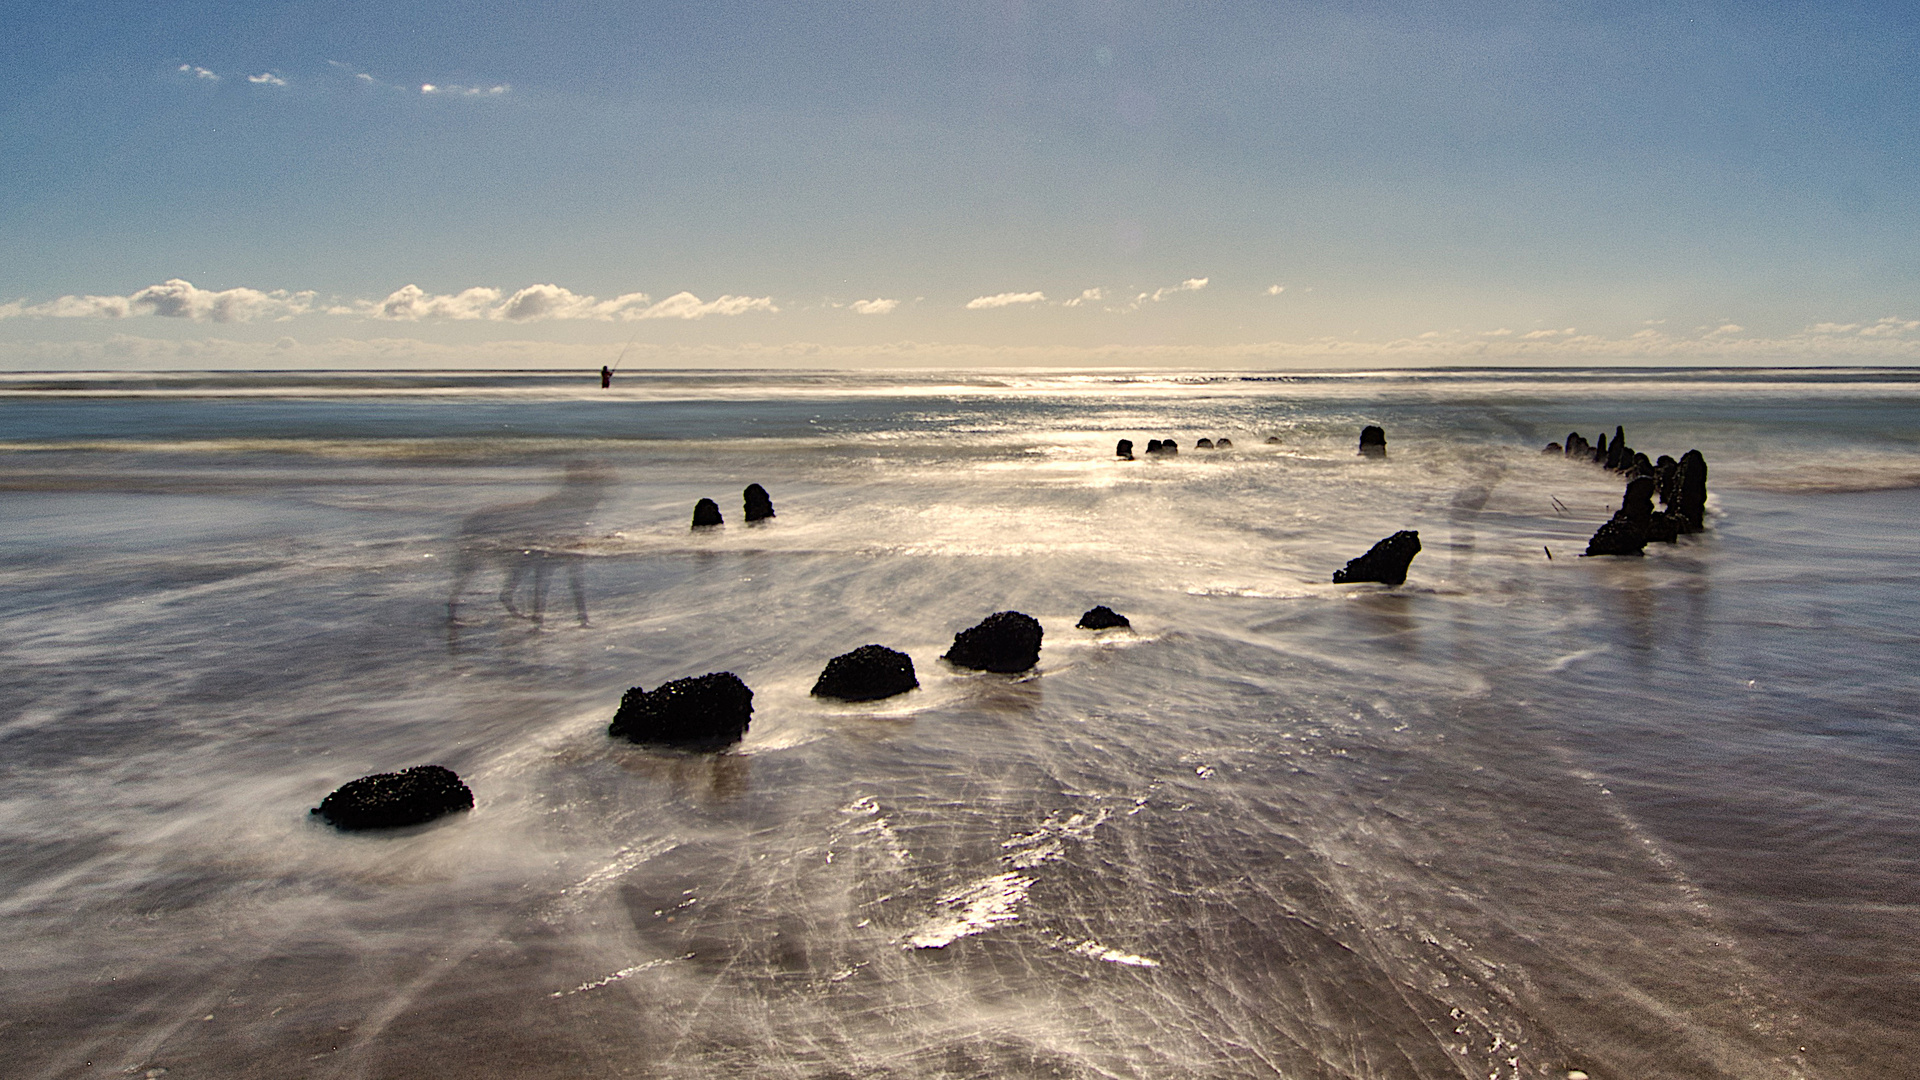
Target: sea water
column 1527, row 815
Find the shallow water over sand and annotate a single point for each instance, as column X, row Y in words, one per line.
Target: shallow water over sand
column 1518, row 817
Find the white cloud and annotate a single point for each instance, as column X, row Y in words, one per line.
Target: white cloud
column 1087, row 296
column 1192, row 284
column 537, row 303
column 1005, row 299
column 1157, row 295
column 411, row 302
column 173, row 299
column 553, row 302
column 76, row 307
column 177, row 299
column 180, row 299
column 1542, row 335
column 465, row 91
column 874, row 307
column 1276, row 290
column 1889, row 327
column 267, row 78
column 1833, row 328
column 1727, row 328
column 200, row 72
column 685, row 305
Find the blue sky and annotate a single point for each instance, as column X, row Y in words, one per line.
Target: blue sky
column 1089, row 182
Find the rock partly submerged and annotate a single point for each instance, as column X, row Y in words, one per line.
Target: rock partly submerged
column 1006, row 642
column 1386, row 562
column 868, row 673
column 392, row 800
column 1102, row 617
column 1626, row 533
column 1680, row 485
column 758, row 504
column 706, row 514
column 1373, row 441
column 705, row 712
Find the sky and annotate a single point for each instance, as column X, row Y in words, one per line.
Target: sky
column 1080, row 183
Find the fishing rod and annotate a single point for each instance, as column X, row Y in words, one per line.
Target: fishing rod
column 606, row 373
column 623, row 351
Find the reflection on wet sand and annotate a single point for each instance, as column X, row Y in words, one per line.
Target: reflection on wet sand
column 530, row 538
column 721, row 777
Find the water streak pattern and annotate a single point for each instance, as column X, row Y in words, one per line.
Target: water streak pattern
column 1518, row 817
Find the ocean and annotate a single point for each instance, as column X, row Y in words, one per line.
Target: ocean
column 1524, row 816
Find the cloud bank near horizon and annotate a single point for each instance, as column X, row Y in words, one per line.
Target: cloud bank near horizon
column 180, row 299
column 1705, row 347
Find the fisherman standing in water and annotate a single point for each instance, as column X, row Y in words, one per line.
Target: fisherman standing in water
column 606, row 376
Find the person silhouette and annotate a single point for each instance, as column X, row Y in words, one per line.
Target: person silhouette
column 606, row 376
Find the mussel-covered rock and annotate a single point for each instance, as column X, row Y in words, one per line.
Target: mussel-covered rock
column 868, row 673
column 1006, row 642
column 1386, row 562
column 1223, row 444
column 705, row 712
column 706, row 514
column 1124, row 450
column 1626, row 532
column 1102, row 617
column 390, row 800
column 1690, row 496
column 1203, row 444
column 759, row 505
column 1373, row 441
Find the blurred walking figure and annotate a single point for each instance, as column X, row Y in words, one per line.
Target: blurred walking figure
column 530, row 538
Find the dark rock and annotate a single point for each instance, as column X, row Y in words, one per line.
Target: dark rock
column 1626, row 532
column 1153, row 446
column 1664, row 527
column 1005, row 641
column 1640, row 466
column 1203, row 444
column 1103, row 617
column 1223, row 444
column 706, row 712
column 759, row 505
column 389, row 800
column 1691, row 492
column 1553, row 448
column 706, row 514
column 1124, row 450
column 868, row 673
column 1577, row 446
column 1666, row 479
column 1600, row 450
column 1373, row 441
column 1385, row 562
column 1618, row 456
column 1168, row 446
column 1273, row 440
